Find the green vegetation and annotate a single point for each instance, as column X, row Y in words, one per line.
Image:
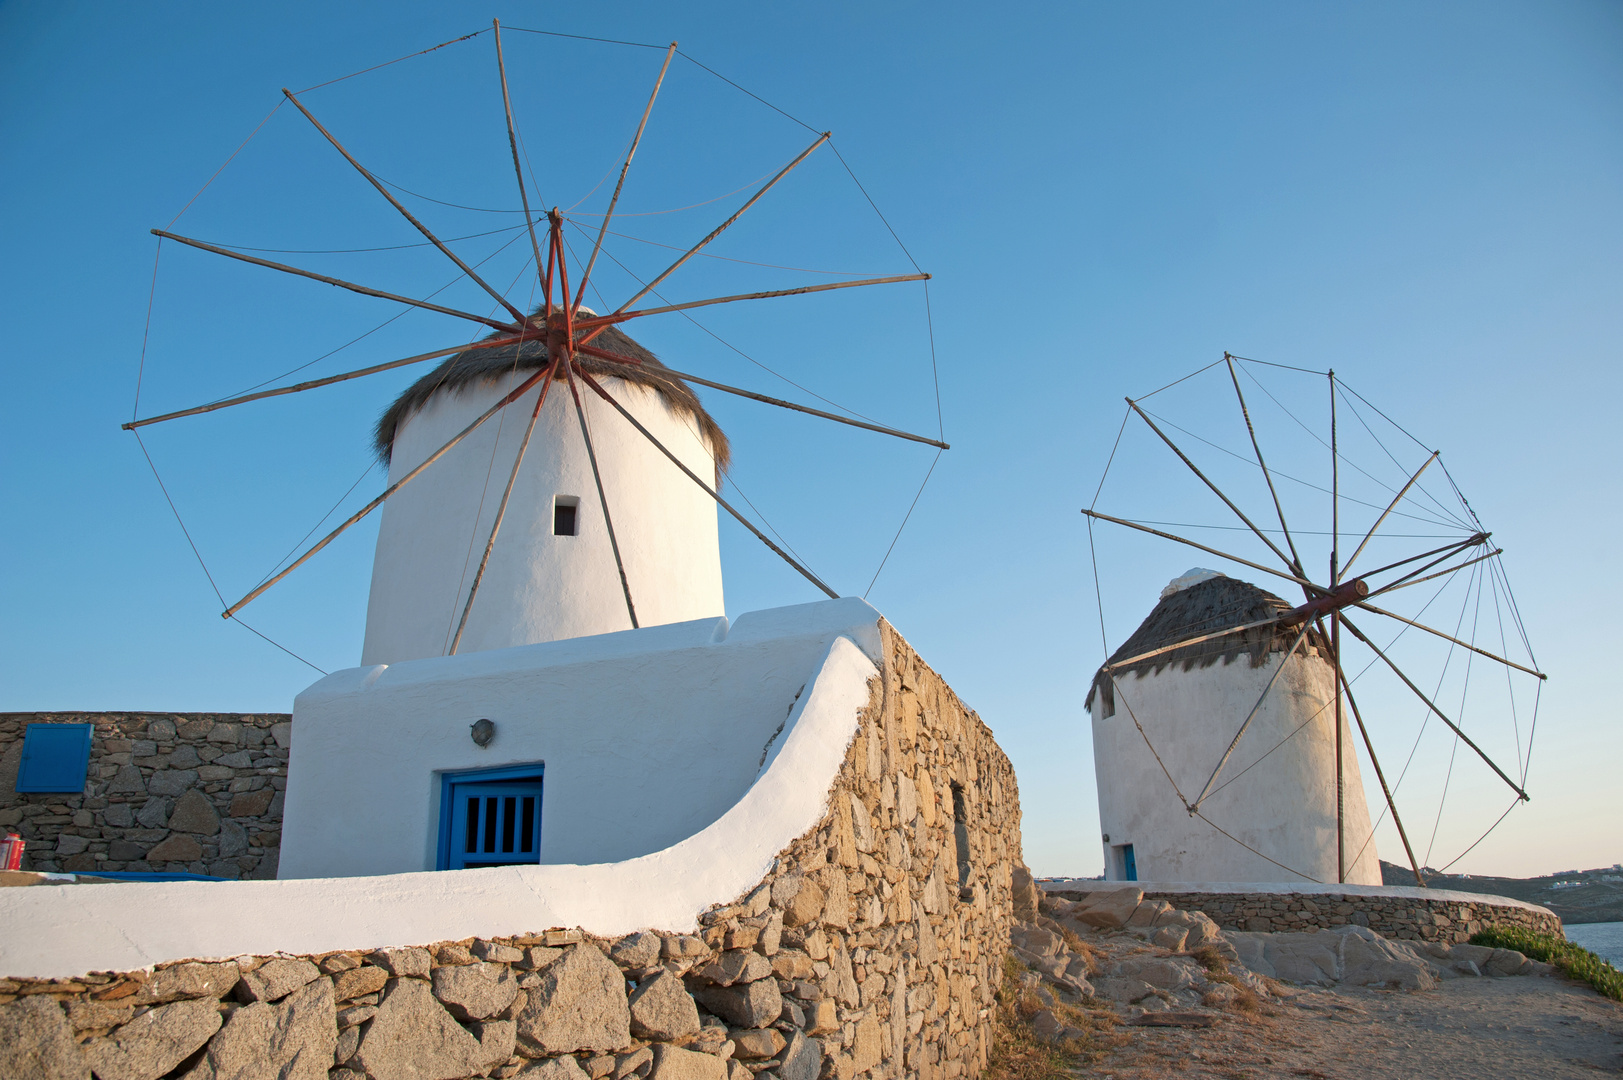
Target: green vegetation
column 1574, row 961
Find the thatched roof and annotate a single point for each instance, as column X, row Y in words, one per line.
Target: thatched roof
column 466, row 369
column 1214, row 604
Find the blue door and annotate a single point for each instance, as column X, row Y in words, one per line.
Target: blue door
column 1129, row 865
column 490, row 822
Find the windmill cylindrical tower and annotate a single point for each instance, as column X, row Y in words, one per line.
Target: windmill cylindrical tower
column 551, row 573
column 1271, row 815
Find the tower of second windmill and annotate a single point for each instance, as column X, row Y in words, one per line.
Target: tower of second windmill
column 1270, row 811
column 551, row 572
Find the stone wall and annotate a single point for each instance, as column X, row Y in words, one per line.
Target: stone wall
column 1447, row 921
column 196, row 793
column 871, row 951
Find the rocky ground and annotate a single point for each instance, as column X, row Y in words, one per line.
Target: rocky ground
column 1122, row 987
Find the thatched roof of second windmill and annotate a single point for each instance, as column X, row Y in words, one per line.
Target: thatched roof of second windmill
column 1217, row 603
column 478, row 366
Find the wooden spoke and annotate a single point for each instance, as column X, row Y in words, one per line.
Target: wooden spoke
column 603, row 354
column 602, row 499
column 1302, row 581
column 1391, row 804
column 1286, row 559
column 719, row 229
column 723, row 503
column 1300, row 634
column 492, row 343
column 1471, row 541
column 511, row 397
column 596, row 324
column 1405, row 582
column 1455, row 728
column 1341, row 770
column 340, row 282
column 1452, row 638
column 1296, row 560
column 512, row 142
column 464, row 267
column 501, row 509
column 1390, row 507
column 635, row 140
column 1335, row 491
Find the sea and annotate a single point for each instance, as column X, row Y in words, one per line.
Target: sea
column 1604, row 939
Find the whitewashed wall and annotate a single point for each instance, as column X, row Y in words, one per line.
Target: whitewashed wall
column 1284, row 808
column 647, row 737
column 540, row 587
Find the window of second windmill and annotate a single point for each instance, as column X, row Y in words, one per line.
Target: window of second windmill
column 566, row 515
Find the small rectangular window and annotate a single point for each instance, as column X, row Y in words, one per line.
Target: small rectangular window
column 55, row 758
column 564, row 513
column 490, row 817
column 960, row 835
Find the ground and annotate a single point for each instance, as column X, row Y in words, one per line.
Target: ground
column 1466, row 1029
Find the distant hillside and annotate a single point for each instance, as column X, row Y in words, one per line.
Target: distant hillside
column 1578, row 896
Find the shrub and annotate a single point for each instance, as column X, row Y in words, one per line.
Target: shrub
column 1573, row 961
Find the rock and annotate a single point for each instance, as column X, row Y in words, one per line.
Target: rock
column 1037, row 941
column 868, row 1045
column 1123, row 991
column 497, row 953
column 496, row 1040
column 170, row 781
column 802, row 1059
column 228, row 734
column 1027, row 896
column 98, row 1015
column 1202, row 931
column 749, row 1005
column 1368, row 959
column 36, row 1042
column 188, row 981
column 662, row 1009
column 194, row 813
column 355, row 1015
column 1164, row 974
column 626, row 1064
column 176, row 848
column 283, row 734
column 1147, row 912
column 358, row 982
column 412, row 1037
column 275, row 980
column 126, row 781
column 1109, row 909
column 636, row 950
column 119, row 815
column 334, row 963
column 599, row 1066
column 755, row 1044
column 452, row 954
column 475, row 991
column 296, row 1040
column 349, row 1041
column 1175, row 1019
column 683, row 947
column 251, row 803
column 578, row 1003
column 805, row 905
column 70, row 844
column 823, row 1018
column 153, row 813
column 738, row 966
column 674, row 1063
column 233, row 840
column 558, row 1068
column 414, row 963
column 1505, row 962
column 154, row 1042
column 1170, row 937
column 1476, row 954
column 163, row 729
column 124, row 851
column 184, row 757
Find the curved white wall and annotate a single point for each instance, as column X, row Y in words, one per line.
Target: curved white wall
column 1284, row 808
column 60, row 932
column 540, row 587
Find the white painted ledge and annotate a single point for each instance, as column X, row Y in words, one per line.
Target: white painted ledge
column 1288, row 888
column 70, row 930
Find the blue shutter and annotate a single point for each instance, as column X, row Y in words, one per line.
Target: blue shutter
column 490, row 817
column 55, row 758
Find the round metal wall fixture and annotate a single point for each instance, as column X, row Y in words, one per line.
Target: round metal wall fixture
column 482, row 731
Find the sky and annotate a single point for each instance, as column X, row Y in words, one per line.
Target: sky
column 1427, row 198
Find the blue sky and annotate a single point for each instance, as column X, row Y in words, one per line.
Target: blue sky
column 1427, row 198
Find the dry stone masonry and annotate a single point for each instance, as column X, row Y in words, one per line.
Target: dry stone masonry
column 196, row 793
column 871, row 951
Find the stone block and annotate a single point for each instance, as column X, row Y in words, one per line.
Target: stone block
column 1147, row 912
column 749, row 1005
column 162, row 729
column 354, row 1015
column 276, row 979
column 636, row 950
column 496, row 952
column 194, row 813
column 296, row 1040
column 683, row 947
column 557, row 1068
column 1027, row 897
column 358, row 982
column 1109, row 909
column 184, row 757
column 805, row 905
column 414, row 963
column 577, row 1003
column 251, row 803
column 98, row 1015
column 224, row 734
column 153, row 1043
column 497, row 1039
column 737, row 966
column 412, row 1037
column 37, row 1042
column 756, row 1044
column 674, row 1063
column 177, row 848
column 662, row 1009
column 283, row 734
column 475, row 991
column 1505, row 962
column 171, row 781
column 193, row 980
